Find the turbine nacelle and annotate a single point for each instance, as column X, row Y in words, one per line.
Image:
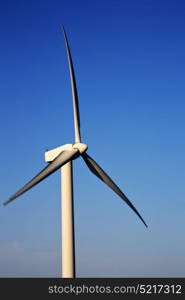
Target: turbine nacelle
column 52, row 154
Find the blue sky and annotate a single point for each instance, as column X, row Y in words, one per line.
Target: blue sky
column 129, row 59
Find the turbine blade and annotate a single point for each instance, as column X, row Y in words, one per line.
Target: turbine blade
column 98, row 171
column 74, row 90
column 58, row 162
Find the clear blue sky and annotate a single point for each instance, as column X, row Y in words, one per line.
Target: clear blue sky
column 129, row 58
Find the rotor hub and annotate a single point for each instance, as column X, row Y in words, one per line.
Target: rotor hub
column 80, row 147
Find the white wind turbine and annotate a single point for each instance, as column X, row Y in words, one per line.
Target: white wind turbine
column 62, row 157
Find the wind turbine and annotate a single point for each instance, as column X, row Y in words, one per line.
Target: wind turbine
column 62, row 157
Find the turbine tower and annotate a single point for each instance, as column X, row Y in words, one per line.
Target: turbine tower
column 62, row 157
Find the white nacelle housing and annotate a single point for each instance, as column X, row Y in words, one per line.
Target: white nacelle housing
column 52, row 154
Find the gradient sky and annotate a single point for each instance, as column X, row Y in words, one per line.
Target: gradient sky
column 129, row 59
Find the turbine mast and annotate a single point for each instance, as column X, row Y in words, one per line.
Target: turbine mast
column 67, row 222
column 67, row 211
